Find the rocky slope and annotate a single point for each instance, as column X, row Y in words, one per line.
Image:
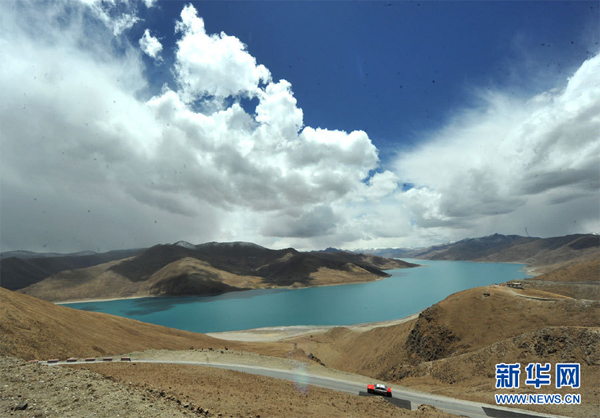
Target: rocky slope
column 30, row 390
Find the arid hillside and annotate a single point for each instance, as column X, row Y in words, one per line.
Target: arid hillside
column 34, row 329
column 453, row 346
column 583, row 272
column 158, row 390
column 186, row 276
column 210, row 269
column 579, row 281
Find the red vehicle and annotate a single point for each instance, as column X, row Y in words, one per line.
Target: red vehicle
column 379, row 389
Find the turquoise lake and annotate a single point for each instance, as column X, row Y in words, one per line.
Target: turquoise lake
column 408, row 291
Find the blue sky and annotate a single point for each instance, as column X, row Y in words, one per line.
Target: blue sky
column 395, row 69
column 305, row 124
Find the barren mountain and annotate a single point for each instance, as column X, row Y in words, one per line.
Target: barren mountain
column 210, row 269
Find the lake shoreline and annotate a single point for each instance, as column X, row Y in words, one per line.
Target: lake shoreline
column 68, row 302
column 281, row 313
column 273, row 334
column 530, row 270
column 290, row 287
column 526, row 269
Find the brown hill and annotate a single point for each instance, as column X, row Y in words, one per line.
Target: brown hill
column 185, row 276
column 469, row 320
column 471, row 375
column 471, row 248
column 31, row 328
column 551, row 253
column 34, row 329
column 588, row 271
column 579, row 281
column 210, row 269
column 276, row 267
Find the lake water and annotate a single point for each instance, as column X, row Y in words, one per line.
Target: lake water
column 408, row 291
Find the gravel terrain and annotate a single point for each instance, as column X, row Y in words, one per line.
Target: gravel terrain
column 35, row 390
column 235, row 394
column 160, row 390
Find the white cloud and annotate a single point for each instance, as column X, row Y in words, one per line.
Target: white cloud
column 214, row 65
column 492, row 168
column 277, row 111
column 86, row 134
column 109, row 12
column 76, row 137
column 379, row 186
column 151, row 46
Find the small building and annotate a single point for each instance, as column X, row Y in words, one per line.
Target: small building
column 515, row 285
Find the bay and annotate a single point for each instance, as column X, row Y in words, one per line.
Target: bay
column 408, row 291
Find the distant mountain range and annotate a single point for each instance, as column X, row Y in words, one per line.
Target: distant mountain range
column 536, row 252
column 183, row 268
column 186, row 269
column 30, row 254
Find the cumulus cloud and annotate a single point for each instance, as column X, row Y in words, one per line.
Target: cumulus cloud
column 151, row 46
column 214, row 65
column 162, row 158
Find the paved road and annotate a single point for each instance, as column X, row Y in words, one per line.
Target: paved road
column 401, row 397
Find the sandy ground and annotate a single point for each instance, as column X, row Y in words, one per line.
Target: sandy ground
column 103, row 300
column 270, row 334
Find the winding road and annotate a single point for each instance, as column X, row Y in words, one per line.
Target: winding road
column 401, row 397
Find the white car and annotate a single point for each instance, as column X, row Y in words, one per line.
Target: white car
column 379, row 389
